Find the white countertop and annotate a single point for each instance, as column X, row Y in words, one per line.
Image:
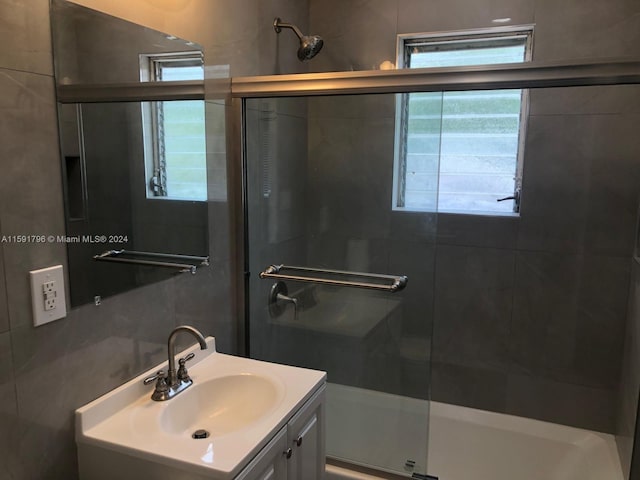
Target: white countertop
column 126, row 420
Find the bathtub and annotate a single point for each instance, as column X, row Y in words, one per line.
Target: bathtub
column 464, row 443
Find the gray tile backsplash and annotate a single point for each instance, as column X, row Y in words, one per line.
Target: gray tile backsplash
column 94, row 349
column 212, row 309
column 9, row 466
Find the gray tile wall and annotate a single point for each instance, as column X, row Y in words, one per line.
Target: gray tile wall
column 4, row 312
column 360, row 35
column 29, row 35
column 352, row 227
column 534, row 325
column 630, row 377
column 529, row 312
column 539, row 299
column 49, row 371
column 8, row 411
column 277, row 184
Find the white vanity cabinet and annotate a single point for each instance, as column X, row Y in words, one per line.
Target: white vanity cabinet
column 270, row 463
column 297, row 452
column 306, row 438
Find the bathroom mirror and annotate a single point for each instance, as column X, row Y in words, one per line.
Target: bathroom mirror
column 134, row 172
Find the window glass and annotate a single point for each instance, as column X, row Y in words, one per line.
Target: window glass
column 462, row 148
column 177, row 144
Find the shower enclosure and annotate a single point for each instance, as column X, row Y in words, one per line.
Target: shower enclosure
column 519, row 314
column 318, row 196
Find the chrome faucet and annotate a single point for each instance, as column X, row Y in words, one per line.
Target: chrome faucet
column 172, row 377
column 175, row 381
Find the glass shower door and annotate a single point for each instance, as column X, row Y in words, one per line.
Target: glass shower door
column 320, row 195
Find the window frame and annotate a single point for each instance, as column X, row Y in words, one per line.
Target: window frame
column 153, row 126
column 406, row 41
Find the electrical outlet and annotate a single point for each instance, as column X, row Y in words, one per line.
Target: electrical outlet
column 48, row 295
column 50, row 301
column 47, row 287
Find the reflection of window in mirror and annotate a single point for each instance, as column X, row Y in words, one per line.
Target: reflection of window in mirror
column 174, row 131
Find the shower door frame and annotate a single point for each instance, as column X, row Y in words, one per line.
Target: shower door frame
column 506, row 76
column 478, row 77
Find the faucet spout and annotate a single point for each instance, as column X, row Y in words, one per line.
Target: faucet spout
column 172, row 377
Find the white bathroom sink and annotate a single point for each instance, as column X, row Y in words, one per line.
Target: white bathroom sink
column 239, row 402
column 222, row 405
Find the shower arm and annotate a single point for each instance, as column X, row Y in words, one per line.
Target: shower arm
column 278, row 26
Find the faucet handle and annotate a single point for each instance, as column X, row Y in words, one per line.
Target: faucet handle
column 187, row 358
column 158, row 376
column 162, row 388
column 182, row 370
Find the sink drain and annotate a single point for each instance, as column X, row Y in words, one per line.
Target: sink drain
column 200, row 434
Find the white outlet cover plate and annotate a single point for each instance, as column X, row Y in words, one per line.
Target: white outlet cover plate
column 38, row 278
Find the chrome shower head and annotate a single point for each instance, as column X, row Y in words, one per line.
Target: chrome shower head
column 310, row 45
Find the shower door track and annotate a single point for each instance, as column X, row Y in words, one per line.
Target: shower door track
column 372, row 472
column 481, row 77
column 131, row 92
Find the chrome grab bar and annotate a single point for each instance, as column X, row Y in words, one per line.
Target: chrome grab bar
column 116, row 256
column 398, row 282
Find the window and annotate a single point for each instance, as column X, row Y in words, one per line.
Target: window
column 175, row 146
column 461, row 152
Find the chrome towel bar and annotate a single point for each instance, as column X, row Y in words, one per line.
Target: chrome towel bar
column 396, row 282
column 117, row 256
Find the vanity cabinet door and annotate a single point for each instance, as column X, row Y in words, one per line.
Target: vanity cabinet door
column 270, row 463
column 306, row 438
column 297, row 452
